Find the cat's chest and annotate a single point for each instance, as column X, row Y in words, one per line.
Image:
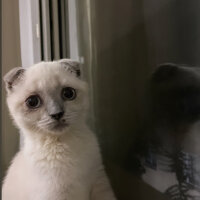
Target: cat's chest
column 57, row 162
column 61, row 170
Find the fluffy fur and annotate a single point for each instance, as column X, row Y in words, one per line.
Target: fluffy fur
column 60, row 160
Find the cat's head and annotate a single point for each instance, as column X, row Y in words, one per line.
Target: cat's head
column 47, row 97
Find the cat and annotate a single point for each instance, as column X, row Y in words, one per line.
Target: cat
column 60, row 158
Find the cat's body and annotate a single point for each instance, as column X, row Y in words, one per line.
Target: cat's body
column 55, row 170
column 60, row 159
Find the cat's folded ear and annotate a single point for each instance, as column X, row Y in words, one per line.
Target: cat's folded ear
column 13, row 77
column 71, row 65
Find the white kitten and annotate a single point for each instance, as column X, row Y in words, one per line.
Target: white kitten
column 60, row 159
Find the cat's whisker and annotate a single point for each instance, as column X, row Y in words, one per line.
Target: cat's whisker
column 44, row 120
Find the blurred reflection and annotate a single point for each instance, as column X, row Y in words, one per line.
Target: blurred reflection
column 169, row 149
column 151, row 137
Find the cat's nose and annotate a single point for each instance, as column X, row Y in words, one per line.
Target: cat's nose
column 57, row 116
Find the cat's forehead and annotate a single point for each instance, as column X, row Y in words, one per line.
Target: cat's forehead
column 46, row 70
column 49, row 75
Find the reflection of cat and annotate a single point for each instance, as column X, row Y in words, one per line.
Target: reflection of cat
column 172, row 137
column 60, row 159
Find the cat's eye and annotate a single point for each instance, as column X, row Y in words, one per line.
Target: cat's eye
column 33, row 101
column 68, row 93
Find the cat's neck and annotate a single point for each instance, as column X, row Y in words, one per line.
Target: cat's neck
column 34, row 140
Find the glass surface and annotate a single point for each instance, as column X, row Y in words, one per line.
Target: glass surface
column 147, row 124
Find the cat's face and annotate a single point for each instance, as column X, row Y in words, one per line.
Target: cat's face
column 47, row 97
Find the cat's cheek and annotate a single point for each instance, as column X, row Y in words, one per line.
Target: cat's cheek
column 30, row 117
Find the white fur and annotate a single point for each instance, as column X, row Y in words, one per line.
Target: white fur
column 64, row 165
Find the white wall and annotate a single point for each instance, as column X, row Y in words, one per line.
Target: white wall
column 10, row 58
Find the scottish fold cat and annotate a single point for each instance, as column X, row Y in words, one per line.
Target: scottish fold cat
column 60, row 158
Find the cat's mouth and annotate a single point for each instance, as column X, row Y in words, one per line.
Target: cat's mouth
column 60, row 125
column 55, row 126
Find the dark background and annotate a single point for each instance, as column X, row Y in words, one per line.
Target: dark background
column 122, row 43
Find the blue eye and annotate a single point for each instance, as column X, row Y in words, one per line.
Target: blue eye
column 68, row 93
column 33, row 101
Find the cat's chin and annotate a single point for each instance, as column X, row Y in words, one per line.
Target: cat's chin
column 59, row 128
column 55, row 128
